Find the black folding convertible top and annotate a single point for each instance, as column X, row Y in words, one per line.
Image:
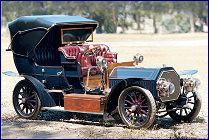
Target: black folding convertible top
column 27, row 31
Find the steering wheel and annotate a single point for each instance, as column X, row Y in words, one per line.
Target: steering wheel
column 92, row 50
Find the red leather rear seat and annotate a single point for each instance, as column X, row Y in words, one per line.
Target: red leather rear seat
column 76, row 52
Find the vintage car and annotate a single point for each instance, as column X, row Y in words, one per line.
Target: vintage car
column 63, row 72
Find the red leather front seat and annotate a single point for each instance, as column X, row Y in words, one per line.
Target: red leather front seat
column 76, row 52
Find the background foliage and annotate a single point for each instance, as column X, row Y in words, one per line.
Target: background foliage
column 182, row 16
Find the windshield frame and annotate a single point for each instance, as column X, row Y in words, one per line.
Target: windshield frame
column 71, row 42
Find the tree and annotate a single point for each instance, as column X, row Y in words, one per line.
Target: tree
column 137, row 12
column 124, row 11
column 155, row 10
column 194, row 10
column 112, row 14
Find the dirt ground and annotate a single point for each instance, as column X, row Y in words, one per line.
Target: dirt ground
column 182, row 51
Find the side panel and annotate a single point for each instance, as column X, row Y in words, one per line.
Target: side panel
column 150, row 85
column 84, row 103
column 52, row 77
column 94, row 82
column 23, row 65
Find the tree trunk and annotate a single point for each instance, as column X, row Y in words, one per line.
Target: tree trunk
column 124, row 23
column 201, row 24
column 155, row 25
column 191, row 20
column 42, row 4
column 99, row 29
column 138, row 21
column 124, row 18
column 115, row 18
column 123, row 26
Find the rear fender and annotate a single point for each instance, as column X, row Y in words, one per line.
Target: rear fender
column 45, row 97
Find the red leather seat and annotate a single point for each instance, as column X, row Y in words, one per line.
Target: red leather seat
column 76, row 52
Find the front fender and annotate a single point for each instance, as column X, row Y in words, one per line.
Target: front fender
column 110, row 110
column 187, row 72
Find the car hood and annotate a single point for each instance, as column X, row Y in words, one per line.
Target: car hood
column 137, row 72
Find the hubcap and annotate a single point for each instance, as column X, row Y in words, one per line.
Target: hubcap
column 133, row 107
column 24, row 100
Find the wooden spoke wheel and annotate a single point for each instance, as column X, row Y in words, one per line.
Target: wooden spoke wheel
column 137, row 107
column 191, row 105
column 25, row 100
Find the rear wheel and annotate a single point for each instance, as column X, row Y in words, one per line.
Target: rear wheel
column 189, row 110
column 26, row 101
column 137, row 107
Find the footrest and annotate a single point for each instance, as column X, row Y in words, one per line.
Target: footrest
column 84, row 103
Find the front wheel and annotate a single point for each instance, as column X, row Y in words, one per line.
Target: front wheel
column 137, row 107
column 189, row 110
column 26, row 101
